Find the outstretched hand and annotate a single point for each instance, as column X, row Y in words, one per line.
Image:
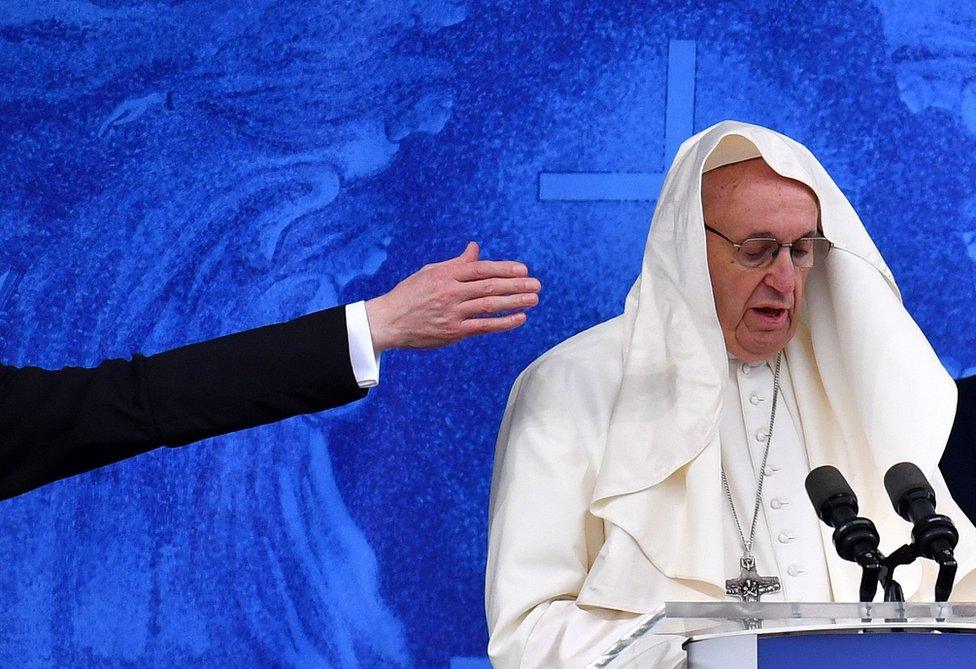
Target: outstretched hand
column 444, row 302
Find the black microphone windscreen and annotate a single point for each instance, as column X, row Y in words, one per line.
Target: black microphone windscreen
column 825, row 482
column 903, row 478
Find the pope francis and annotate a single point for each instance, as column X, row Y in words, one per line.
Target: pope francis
column 642, row 460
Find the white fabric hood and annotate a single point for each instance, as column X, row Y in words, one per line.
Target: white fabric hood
column 869, row 388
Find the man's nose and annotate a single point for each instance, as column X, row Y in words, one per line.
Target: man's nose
column 781, row 274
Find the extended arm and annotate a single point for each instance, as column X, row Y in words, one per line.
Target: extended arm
column 54, row 424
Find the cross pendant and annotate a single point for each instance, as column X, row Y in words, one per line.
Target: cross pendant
column 750, row 586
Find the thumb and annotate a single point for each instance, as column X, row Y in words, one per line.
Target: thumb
column 470, row 254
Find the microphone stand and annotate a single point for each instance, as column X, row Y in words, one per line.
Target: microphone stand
column 947, row 575
column 872, row 571
column 892, row 588
column 907, row 554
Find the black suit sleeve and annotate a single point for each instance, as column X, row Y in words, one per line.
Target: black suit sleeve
column 958, row 463
column 54, row 424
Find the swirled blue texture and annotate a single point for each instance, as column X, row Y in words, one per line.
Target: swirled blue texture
column 172, row 172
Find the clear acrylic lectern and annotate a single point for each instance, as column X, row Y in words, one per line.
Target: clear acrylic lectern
column 776, row 635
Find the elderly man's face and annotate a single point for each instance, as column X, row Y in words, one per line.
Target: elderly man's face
column 757, row 308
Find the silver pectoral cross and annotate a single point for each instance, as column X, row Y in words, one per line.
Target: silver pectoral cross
column 750, row 586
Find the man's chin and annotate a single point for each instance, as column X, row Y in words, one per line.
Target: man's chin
column 763, row 345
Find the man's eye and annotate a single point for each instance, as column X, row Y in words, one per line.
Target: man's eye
column 801, row 248
column 756, row 250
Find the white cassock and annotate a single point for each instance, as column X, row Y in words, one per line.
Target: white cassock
column 607, row 498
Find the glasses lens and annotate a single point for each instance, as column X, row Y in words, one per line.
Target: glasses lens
column 808, row 252
column 757, row 252
column 820, row 249
column 802, row 252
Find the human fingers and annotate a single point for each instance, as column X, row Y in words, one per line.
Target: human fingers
column 486, row 269
column 497, row 303
column 473, row 289
column 480, row 326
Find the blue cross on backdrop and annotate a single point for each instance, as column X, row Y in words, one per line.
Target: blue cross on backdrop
column 637, row 186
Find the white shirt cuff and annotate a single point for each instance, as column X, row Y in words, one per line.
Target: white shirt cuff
column 365, row 362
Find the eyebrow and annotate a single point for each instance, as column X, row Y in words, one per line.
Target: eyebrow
column 766, row 234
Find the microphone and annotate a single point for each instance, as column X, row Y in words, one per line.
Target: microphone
column 856, row 539
column 914, row 500
column 836, row 504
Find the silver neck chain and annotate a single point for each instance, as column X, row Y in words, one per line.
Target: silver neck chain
column 747, row 543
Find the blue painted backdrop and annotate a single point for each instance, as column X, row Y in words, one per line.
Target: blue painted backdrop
column 174, row 171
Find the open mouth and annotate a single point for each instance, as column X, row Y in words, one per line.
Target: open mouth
column 769, row 317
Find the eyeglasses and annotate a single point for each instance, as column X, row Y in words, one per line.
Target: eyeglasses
column 759, row 252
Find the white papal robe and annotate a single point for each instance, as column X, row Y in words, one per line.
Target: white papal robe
column 789, row 541
column 546, row 549
column 607, row 498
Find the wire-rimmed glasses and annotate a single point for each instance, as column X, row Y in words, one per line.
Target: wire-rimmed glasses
column 759, row 252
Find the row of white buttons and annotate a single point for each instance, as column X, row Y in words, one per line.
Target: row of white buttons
column 786, row 537
column 761, row 435
column 791, row 549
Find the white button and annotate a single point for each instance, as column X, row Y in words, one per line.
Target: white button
column 794, row 570
column 778, row 503
column 761, row 435
column 755, row 399
column 745, row 368
column 786, row 537
column 770, row 470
